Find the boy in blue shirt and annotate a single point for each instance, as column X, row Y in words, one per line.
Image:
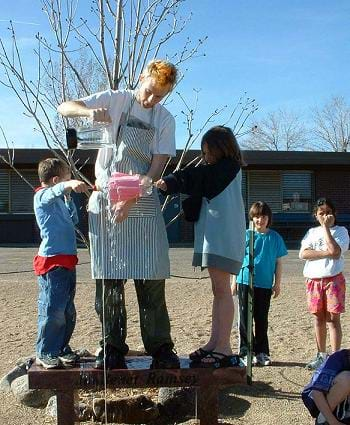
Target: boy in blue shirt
column 327, row 395
column 269, row 247
column 55, row 263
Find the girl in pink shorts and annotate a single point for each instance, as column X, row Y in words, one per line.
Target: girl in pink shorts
column 323, row 249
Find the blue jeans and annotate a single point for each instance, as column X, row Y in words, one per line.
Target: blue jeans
column 56, row 311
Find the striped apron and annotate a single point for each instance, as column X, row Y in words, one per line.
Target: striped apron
column 136, row 248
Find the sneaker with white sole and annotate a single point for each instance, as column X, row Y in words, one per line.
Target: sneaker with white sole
column 69, row 358
column 263, row 359
column 48, row 362
column 245, row 360
column 316, row 362
column 321, row 420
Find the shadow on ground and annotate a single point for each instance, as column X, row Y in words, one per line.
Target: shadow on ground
column 258, row 389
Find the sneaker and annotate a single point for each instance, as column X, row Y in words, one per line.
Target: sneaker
column 114, row 359
column 316, row 363
column 263, row 359
column 321, row 420
column 165, row 358
column 244, row 360
column 48, row 362
column 69, row 357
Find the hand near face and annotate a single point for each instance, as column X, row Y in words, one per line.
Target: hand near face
column 327, row 220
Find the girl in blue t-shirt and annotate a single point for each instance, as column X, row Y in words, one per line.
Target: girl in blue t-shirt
column 269, row 247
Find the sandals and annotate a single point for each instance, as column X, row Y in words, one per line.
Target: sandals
column 219, row 360
column 198, row 355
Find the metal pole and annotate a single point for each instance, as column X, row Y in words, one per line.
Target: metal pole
column 250, row 304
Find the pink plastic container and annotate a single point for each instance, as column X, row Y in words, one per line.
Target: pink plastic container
column 122, row 187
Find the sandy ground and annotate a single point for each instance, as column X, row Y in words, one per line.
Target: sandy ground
column 274, row 397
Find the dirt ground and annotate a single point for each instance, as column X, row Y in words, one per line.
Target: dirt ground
column 274, row 397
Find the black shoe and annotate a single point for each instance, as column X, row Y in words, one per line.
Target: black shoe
column 69, row 357
column 114, row 359
column 165, row 358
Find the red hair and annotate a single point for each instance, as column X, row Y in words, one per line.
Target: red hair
column 163, row 72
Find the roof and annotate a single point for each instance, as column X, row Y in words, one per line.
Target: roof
column 261, row 159
column 30, row 157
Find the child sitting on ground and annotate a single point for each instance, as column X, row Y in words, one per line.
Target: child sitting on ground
column 327, row 395
column 55, row 263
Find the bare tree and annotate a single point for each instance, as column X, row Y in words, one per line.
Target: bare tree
column 108, row 48
column 332, row 125
column 237, row 117
column 279, row 130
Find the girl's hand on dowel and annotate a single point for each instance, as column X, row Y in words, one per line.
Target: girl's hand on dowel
column 160, row 184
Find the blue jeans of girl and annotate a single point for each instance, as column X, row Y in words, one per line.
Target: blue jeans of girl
column 56, row 311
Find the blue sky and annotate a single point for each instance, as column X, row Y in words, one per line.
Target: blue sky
column 293, row 55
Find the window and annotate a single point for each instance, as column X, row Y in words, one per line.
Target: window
column 16, row 196
column 297, row 191
column 265, row 186
column 284, row 191
column 4, row 191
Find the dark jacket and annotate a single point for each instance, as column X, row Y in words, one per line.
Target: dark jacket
column 207, row 180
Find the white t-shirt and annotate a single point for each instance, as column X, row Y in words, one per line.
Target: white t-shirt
column 324, row 267
column 117, row 102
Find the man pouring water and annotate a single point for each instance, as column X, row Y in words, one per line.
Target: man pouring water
column 131, row 242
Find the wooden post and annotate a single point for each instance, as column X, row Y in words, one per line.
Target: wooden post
column 65, row 408
column 208, row 408
column 250, row 304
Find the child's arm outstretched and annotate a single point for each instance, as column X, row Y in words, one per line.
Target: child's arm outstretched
column 276, row 288
column 75, row 185
column 78, row 187
column 204, row 180
column 63, row 188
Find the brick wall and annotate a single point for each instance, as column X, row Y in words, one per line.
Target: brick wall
column 335, row 185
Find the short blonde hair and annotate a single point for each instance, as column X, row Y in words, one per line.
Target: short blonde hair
column 164, row 72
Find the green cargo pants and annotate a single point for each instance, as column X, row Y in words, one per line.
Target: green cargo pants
column 154, row 318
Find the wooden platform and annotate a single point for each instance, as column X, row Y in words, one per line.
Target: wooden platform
column 138, row 375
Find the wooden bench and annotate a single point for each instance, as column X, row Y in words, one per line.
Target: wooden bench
column 66, row 382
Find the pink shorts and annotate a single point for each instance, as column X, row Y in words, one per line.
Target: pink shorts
column 326, row 294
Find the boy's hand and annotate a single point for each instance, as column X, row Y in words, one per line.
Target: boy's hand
column 100, row 115
column 276, row 290
column 160, row 184
column 76, row 185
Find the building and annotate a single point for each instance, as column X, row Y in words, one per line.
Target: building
column 289, row 181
